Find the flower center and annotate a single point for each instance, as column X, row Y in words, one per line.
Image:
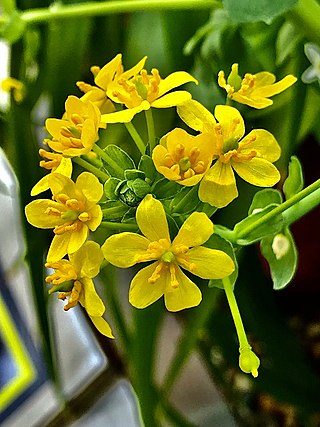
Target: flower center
column 52, row 160
column 185, row 164
column 72, row 212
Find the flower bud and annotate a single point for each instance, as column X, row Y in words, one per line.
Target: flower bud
column 248, row 361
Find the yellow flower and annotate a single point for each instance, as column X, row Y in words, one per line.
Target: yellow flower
column 250, row 156
column 54, row 162
column 164, row 276
column 76, row 275
column 137, row 90
column 182, row 157
column 254, row 89
column 102, row 78
column 72, row 212
column 77, row 131
column 16, row 86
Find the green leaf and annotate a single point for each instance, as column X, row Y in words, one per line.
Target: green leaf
column 249, row 233
column 281, row 253
column 147, row 166
column 164, row 189
column 264, row 198
column 218, row 242
column 241, row 11
column 294, row 182
column 121, row 158
column 113, row 210
column 110, row 188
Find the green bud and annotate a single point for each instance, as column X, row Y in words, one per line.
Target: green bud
column 248, row 361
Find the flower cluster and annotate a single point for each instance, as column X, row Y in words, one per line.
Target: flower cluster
column 159, row 210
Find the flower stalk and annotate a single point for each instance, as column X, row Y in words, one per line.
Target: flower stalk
column 248, row 361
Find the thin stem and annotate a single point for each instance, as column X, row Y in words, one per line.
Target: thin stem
column 89, row 167
column 119, row 226
column 136, row 137
column 58, row 11
column 151, row 131
column 286, row 205
column 235, row 313
column 104, row 156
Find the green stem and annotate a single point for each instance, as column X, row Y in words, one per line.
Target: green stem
column 243, row 342
column 58, row 11
column 136, row 137
column 305, row 17
column 151, row 131
column 89, row 167
column 119, row 226
column 104, row 156
column 306, row 204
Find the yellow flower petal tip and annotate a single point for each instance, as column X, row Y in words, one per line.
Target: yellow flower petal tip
column 249, row 361
column 164, row 277
column 253, row 90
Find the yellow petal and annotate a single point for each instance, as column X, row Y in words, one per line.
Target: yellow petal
column 258, row 102
column 258, row 172
column 36, row 216
column 231, row 122
column 123, row 249
column 196, row 116
column 124, row 116
column 210, row 263
column 218, row 186
column 96, row 217
column 142, row 293
column 61, row 184
column 65, row 167
column 107, row 73
column 174, row 80
column 77, row 238
column 274, row 89
column 53, row 126
column 89, row 298
column 58, row 248
column 158, row 157
column 186, row 295
column 264, row 78
column 102, row 326
column 151, row 219
column 171, row 99
column 90, row 186
column 41, row 186
column 87, row 259
column 134, row 70
column 263, row 142
column 196, row 230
